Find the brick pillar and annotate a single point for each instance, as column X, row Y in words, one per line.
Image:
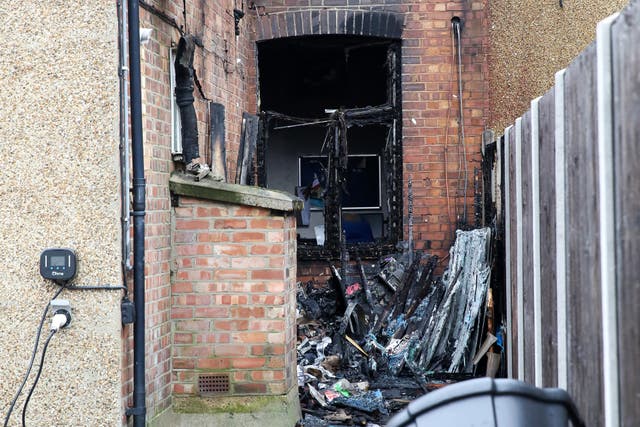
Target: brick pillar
column 233, row 296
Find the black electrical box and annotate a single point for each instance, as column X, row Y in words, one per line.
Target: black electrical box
column 58, row 264
column 128, row 311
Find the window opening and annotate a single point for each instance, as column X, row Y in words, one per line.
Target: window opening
column 330, row 134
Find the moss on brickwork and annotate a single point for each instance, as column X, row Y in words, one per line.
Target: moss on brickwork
column 239, row 411
column 229, row 405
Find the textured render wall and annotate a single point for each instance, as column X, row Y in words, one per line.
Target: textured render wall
column 432, row 153
column 529, row 42
column 223, row 80
column 59, row 186
column 233, row 297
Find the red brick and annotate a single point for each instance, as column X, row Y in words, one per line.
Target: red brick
column 211, row 312
column 248, row 236
column 230, row 274
column 247, row 312
column 249, row 211
column 266, row 325
column 248, row 362
column 230, row 224
column 180, row 363
column 192, row 224
column 180, row 338
column 210, row 211
column 213, row 237
column 254, row 388
column 273, row 249
column 248, row 263
column 276, row 287
column 266, row 224
column 233, row 350
column 268, row 350
column 231, row 250
column 181, row 313
column 249, row 337
column 231, row 325
column 218, row 363
column 267, row 274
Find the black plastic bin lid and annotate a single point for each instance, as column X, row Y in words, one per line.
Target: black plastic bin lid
column 488, row 387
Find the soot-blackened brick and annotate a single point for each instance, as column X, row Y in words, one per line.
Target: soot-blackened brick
column 332, row 15
column 358, row 22
column 289, row 18
column 306, row 22
column 315, row 22
column 394, row 29
column 298, row 20
column 324, row 22
column 275, row 31
column 366, row 24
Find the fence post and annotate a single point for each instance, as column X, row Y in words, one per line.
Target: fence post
column 607, row 221
column 507, row 234
column 561, row 272
column 535, row 205
column 520, row 247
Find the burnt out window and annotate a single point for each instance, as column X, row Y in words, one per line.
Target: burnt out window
column 331, row 134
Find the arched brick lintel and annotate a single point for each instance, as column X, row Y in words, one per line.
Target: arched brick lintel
column 330, row 21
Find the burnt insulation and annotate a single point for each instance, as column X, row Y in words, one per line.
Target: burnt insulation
column 184, row 97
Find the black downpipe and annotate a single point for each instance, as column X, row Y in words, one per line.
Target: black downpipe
column 139, row 409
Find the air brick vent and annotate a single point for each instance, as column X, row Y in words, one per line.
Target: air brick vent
column 213, row 384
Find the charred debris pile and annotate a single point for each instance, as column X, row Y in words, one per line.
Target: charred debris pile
column 377, row 336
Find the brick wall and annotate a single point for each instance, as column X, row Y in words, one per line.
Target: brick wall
column 224, row 80
column 233, row 297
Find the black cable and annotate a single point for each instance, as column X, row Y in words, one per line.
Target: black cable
column 99, row 288
column 184, row 15
column 33, row 356
column 35, row 383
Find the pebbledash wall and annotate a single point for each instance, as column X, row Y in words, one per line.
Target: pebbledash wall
column 529, row 45
column 59, row 187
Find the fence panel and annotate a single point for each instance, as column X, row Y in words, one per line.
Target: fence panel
column 548, row 239
column 584, row 315
column 626, row 67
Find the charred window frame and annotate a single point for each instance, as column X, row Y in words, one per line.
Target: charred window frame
column 337, row 126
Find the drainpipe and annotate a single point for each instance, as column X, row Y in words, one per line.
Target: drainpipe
column 139, row 409
column 125, row 188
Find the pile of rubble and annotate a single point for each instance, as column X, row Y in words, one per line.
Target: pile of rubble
column 377, row 336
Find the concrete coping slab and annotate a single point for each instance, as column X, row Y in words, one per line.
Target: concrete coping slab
column 210, row 189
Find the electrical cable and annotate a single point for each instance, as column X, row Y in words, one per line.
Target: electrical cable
column 33, row 355
column 184, row 15
column 461, row 129
column 98, row 288
column 446, row 134
column 35, row 383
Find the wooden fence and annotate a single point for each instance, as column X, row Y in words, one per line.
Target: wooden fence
column 571, row 185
